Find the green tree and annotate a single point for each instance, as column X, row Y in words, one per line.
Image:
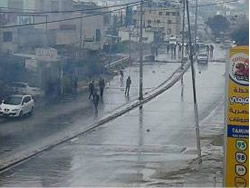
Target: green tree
column 218, row 24
column 241, row 35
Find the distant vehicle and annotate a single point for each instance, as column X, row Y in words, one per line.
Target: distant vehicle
column 25, row 88
column 173, row 40
column 228, row 44
column 202, row 58
column 217, row 41
column 17, row 106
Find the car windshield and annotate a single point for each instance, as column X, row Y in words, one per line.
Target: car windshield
column 13, row 100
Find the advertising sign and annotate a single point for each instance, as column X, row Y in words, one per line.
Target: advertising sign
column 31, row 64
column 236, row 162
column 46, row 54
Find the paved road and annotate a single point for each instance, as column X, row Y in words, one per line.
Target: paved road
column 53, row 122
column 141, row 148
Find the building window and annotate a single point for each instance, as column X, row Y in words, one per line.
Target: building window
column 167, row 13
column 98, row 35
column 158, row 21
column 177, row 13
column 149, row 22
column 169, row 21
column 7, row 36
column 160, row 13
column 144, row 38
column 173, row 13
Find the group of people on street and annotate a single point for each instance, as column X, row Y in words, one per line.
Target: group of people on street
column 173, row 48
column 210, row 50
column 93, row 93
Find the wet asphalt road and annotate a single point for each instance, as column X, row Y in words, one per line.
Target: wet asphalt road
column 52, row 122
column 136, row 149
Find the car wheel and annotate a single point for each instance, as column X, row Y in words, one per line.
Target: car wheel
column 21, row 114
column 31, row 111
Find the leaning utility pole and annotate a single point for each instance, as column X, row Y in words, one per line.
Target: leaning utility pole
column 141, row 56
column 194, row 88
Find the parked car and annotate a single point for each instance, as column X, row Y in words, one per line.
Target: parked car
column 202, row 58
column 25, row 88
column 17, row 106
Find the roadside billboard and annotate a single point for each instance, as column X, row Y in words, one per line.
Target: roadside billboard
column 236, row 162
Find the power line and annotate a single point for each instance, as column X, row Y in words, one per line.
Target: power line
column 66, row 11
column 131, row 4
column 67, row 19
column 193, row 6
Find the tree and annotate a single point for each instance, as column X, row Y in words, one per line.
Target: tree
column 218, row 24
column 241, row 35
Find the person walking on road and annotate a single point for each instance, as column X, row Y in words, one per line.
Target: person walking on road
column 168, row 47
column 101, row 86
column 75, row 85
column 121, row 75
column 128, row 83
column 96, row 101
column 179, row 50
column 174, row 49
column 211, row 51
column 208, row 50
column 91, row 89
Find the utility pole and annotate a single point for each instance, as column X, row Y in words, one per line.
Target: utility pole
column 196, row 17
column 197, row 129
column 183, row 35
column 81, row 20
column 129, row 44
column 182, row 51
column 110, row 50
column 141, row 55
column 46, row 30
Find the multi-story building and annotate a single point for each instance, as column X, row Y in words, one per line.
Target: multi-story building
column 160, row 17
column 90, row 30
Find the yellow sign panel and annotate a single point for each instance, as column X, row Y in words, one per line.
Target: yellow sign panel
column 237, row 119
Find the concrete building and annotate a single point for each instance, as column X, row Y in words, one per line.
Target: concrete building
column 58, row 34
column 4, row 3
column 160, row 17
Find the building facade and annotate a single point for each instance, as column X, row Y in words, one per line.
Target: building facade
column 160, row 17
column 88, row 33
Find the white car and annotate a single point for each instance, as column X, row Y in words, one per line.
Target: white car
column 202, row 58
column 17, row 106
column 173, row 40
column 25, row 88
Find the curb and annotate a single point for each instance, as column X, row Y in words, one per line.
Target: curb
column 111, row 116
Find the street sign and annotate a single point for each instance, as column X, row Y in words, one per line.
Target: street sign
column 236, row 161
